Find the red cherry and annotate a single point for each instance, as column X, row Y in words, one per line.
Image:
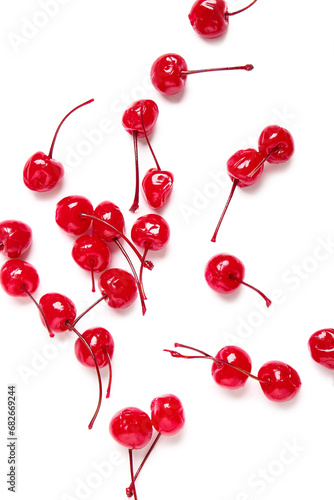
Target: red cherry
column 92, row 254
column 18, row 278
column 224, row 273
column 70, row 213
column 276, row 142
column 157, row 187
column 41, row 172
column 15, row 238
column 108, row 212
column 169, row 73
column 59, row 311
column 131, row 427
column 210, row 18
column 280, row 381
column 132, row 117
column 150, row 231
column 118, row 287
column 167, row 414
column 321, row 345
column 229, row 377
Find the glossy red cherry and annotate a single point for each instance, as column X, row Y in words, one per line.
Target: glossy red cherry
column 150, row 231
column 41, row 172
column 321, row 345
column 278, row 139
column 210, row 18
column 131, row 427
column 167, row 414
column 70, row 214
column 59, row 311
column 15, row 238
column 280, row 383
column 224, row 273
column 119, row 287
column 225, row 375
column 157, row 187
column 17, row 277
column 108, row 212
column 169, row 73
column 132, row 117
column 92, row 254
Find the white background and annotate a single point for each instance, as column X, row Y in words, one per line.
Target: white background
column 235, row 445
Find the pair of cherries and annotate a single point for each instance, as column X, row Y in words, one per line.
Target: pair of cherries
column 133, row 428
column 245, row 167
column 139, row 120
column 232, row 366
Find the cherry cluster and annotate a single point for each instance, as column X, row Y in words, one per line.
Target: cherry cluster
column 133, row 428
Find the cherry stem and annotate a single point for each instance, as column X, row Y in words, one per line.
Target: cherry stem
column 89, row 309
column 247, row 67
column 110, row 371
column 218, row 361
column 92, row 263
column 132, row 477
column 234, row 185
column 253, row 172
column 268, row 301
column 129, row 490
column 60, row 124
column 148, row 264
column 135, row 275
column 241, row 10
column 24, row 289
column 83, row 340
column 147, row 247
column 135, row 204
column 147, row 139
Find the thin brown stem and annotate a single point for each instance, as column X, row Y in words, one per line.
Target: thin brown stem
column 135, row 205
column 147, row 247
column 234, row 185
column 247, row 67
column 241, row 10
column 89, row 309
column 129, row 490
column 268, row 301
column 131, row 473
column 83, row 340
column 110, row 372
column 60, row 124
column 24, row 289
column 253, row 172
column 147, row 139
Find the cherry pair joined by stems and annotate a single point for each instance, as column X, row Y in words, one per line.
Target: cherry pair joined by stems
column 169, row 73
column 224, row 273
column 15, row 238
column 245, row 167
column 139, row 120
column 133, row 428
column 210, row 18
column 42, row 172
column 321, row 346
column 231, row 369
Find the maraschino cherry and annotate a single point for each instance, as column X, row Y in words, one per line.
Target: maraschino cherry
column 279, row 381
column 118, row 288
column 132, row 428
column 224, row 273
column 245, row 167
column 19, row 278
column 15, row 238
column 321, row 345
column 41, row 172
column 210, row 18
column 144, row 111
column 92, row 254
column 167, row 416
column 169, row 73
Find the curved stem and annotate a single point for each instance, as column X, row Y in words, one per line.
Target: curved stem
column 218, row 361
column 268, row 301
column 131, row 472
column 148, row 264
column 247, row 67
column 135, row 204
column 23, row 288
column 147, row 139
column 147, row 247
column 110, row 372
column 253, row 172
column 135, row 275
column 241, row 10
column 129, row 490
column 71, row 327
column 60, row 124
column 89, row 309
column 234, row 185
